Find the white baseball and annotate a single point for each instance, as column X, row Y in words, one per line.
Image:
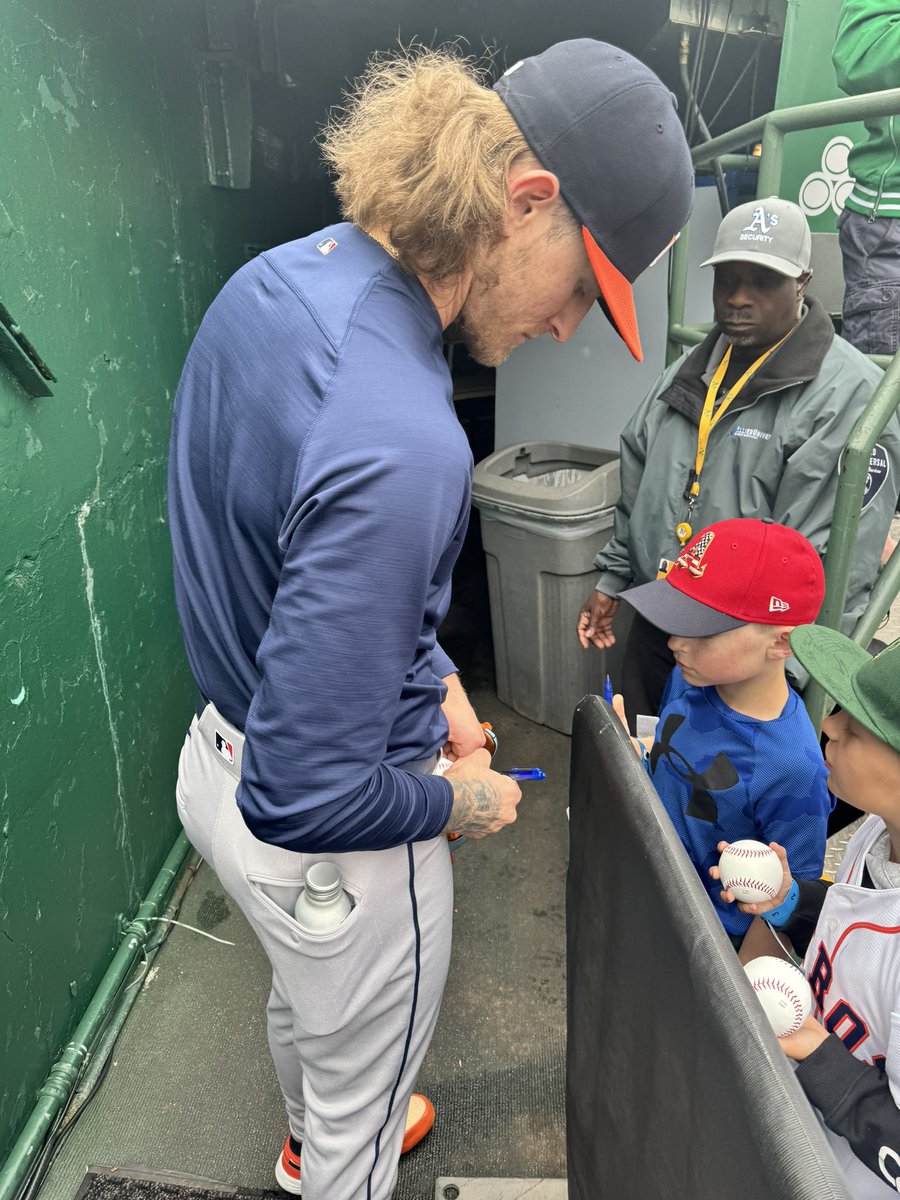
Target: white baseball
column 783, row 992
column 751, row 871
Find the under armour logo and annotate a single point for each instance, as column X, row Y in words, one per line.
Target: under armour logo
column 762, row 221
column 719, row 776
column 777, row 605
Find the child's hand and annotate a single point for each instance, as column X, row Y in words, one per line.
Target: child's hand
column 760, row 908
column 809, row 1037
column 619, row 709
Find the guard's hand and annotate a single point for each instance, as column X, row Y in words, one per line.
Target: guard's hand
column 760, row 908
column 483, row 800
column 465, row 734
column 595, row 621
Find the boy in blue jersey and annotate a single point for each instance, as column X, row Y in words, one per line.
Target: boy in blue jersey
column 735, row 754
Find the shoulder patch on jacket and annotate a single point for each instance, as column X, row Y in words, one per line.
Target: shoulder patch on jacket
column 879, row 469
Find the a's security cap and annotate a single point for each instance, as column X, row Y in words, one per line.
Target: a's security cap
column 607, row 127
column 773, row 233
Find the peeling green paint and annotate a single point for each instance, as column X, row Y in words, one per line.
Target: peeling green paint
column 112, row 244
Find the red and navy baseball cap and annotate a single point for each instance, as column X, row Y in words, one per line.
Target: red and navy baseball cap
column 740, row 572
column 607, row 127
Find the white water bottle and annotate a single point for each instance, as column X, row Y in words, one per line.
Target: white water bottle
column 323, row 903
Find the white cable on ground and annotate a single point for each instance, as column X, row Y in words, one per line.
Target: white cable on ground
column 193, row 929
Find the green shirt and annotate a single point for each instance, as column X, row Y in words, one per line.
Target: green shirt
column 866, row 58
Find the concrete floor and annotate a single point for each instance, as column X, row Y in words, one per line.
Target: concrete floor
column 192, row 1089
column 191, row 1086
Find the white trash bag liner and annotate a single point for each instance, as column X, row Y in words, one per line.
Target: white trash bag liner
column 559, row 478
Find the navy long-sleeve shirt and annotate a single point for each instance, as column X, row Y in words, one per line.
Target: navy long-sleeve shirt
column 319, row 487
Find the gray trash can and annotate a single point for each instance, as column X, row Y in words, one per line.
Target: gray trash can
column 546, row 509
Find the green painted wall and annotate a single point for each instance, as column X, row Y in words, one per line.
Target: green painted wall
column 112, row 243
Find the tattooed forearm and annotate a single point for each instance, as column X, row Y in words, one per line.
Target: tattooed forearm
column 476, row 807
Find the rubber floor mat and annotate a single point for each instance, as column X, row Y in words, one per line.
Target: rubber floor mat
column 121, row 1183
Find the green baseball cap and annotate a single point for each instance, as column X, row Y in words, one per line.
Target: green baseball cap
column 866, row 687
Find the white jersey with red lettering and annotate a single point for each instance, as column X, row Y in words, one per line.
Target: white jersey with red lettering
column 853, row 965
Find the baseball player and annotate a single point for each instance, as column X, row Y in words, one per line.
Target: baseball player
column 319, row 489
column 848, row 1054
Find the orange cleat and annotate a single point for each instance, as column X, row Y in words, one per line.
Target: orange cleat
column 419, row 1120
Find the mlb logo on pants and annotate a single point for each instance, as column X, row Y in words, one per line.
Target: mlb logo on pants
column 225, row 748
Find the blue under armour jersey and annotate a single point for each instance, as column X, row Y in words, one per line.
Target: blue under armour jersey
column 723, row 776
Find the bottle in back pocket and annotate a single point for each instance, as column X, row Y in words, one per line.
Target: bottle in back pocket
column 323, row 903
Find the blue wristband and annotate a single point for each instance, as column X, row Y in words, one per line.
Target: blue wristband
column 782, row 914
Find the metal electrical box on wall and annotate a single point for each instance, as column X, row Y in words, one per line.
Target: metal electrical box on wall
column 751, row 18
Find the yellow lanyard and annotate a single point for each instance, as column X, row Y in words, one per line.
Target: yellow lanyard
column 709, row 420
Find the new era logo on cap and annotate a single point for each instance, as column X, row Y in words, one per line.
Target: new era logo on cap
column 778, row 606
column 225, row 748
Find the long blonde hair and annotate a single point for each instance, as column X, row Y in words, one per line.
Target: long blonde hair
column 422, row 150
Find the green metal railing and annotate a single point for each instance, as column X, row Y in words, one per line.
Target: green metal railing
column 67, row 1072
column 771, row 130
column 844, row 525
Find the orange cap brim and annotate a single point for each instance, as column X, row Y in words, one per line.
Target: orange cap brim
column 617, row 296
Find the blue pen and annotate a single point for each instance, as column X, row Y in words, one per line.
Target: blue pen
column 608, row 691
column 521, row 775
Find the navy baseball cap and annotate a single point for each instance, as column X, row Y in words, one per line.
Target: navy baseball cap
column 607, row 127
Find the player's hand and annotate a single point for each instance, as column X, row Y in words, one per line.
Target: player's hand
column 618, row 704
column 595, row 621
column 809, row 1037
column 760, row 908
column 465, row 734
column 483, row 800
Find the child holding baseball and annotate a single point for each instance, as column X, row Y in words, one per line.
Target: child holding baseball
column 848, row 1053
column 735, row 754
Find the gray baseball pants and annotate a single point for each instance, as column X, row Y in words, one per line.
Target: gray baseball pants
column 351, row 1012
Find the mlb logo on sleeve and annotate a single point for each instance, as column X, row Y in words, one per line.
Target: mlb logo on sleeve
column 225, row 748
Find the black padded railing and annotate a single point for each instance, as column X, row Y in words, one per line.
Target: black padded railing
column 676, row 1086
